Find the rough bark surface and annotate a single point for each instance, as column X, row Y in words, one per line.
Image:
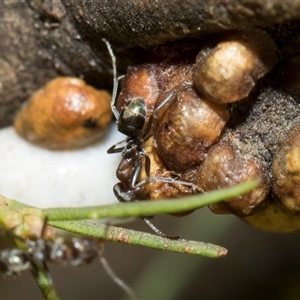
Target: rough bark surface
column 44, row 39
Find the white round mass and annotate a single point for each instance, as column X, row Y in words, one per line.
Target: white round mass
column 68, row 178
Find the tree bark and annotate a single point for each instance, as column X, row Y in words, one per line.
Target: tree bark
column 41, row 40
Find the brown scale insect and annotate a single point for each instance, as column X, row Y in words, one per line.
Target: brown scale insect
column 227, row 68
column 187, row 127
column 225, row 166
column 66, row 113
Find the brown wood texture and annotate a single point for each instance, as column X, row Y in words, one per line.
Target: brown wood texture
column 41, row 40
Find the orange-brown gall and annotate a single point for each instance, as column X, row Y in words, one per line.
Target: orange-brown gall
column 227, row 69
column 66, row 113
column 272, row 217
column 186, row 127
column 149, row 81
column 286, row 172
column 225, row 167
column 140, row 81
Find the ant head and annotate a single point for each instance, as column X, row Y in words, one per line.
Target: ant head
column 133, row 117
column 125, row 194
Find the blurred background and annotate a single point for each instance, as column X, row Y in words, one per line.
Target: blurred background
column 259, row 265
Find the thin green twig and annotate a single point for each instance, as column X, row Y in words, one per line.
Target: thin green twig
column 132, row 237
column 44, row 282
column 148, row 208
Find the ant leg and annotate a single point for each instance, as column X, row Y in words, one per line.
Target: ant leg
column 121, row 77
column 168, row 98
column 115, row 79
column 147, row 165
column 121, row 198
column 169, row 180
column 175, row 181
column 118, row 147
column 158, row 232
column 152, row 117
column 116, row 279
column 138, row 168
column 135, row 174
column 162, row 179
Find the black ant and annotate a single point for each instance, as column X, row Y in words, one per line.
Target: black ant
column 77, row 251
column 132, row 122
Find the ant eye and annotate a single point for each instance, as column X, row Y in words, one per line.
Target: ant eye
column 90, row 123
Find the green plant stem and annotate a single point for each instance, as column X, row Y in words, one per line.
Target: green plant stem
column 132, row 237
column 44, row 282
column 11, row 210
column 41, row 275
column 148, row 208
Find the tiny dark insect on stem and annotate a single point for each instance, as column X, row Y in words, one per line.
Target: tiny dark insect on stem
column 76, row 251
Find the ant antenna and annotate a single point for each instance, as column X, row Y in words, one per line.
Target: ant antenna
column 116, row 279
column 115, row 79
column 158, row 232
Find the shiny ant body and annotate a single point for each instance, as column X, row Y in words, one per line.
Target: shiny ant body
column 75, row 252
column 133, row 122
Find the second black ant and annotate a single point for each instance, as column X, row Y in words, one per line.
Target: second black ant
column 76, row 251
